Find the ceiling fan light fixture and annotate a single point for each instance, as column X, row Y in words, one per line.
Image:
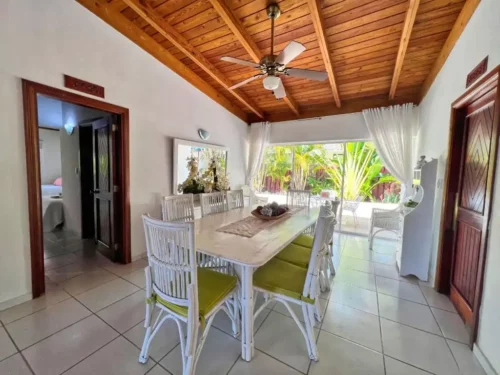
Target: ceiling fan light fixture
column 271, row 82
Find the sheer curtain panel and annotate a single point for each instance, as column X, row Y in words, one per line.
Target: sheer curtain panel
column 259, row 139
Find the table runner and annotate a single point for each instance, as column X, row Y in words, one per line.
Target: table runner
column 250, row 226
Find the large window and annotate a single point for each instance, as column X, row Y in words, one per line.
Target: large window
column 351, row 172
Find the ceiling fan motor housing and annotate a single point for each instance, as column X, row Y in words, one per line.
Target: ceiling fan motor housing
column 273, row 11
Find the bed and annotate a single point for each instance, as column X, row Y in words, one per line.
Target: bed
column 52, row 207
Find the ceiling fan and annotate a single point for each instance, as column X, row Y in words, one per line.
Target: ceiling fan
column 272, row 66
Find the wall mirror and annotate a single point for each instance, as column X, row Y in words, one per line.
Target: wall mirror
column 204, row 155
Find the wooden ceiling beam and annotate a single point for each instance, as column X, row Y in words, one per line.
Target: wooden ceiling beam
column 411, row 15
column 247, row 42
column 146, row 12
column 319, row 28
column 120, row 23
column 459, row 26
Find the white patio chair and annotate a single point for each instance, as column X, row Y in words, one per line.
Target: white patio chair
column 178, row 208
column 182, row 291
column 234, row 199
column 287, row 283
column 256, row 200
column 352, row 207
column 298, row 198
column 212, row 203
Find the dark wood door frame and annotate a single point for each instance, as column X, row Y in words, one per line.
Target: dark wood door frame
column 488, row 85
column 30, row 91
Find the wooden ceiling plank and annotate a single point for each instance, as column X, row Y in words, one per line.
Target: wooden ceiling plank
column 128, row 29
column 462, row 20
column 315, row 9
column 150, row 15
column 411, row 15
column 242, row 35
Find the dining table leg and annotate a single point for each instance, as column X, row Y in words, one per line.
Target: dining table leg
column 245, row 274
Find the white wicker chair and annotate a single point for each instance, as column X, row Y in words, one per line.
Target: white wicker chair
column 298, row 198
column 385, row 220
column 172, row 287
column 352, row 207
column 178, row 208
column 310, row 289
column 234, row 199
column 212, row 203
column 258, row 201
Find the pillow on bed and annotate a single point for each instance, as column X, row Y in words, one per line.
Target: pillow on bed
column 58, row 181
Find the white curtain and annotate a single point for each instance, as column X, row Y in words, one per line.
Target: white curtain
column 394, row 131
column 259, row 139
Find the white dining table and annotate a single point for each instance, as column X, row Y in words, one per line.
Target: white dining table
column 247, row 254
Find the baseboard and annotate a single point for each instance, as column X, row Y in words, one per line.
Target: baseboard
column 141, row 255
column 486, row 365
column 15, row 301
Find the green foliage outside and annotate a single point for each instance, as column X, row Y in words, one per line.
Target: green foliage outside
column 318, row 168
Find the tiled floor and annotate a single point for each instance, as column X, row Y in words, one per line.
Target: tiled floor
column 376, row 323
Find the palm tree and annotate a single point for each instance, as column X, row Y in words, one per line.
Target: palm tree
column 277, row 162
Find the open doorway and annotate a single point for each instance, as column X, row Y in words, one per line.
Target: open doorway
column 77, row 164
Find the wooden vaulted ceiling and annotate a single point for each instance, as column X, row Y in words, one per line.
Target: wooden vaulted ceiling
column 376, row 52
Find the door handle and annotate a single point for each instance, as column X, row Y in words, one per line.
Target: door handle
column 96, row 191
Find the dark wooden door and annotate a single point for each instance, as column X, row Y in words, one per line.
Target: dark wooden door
column 105, row 187
column 472, row 207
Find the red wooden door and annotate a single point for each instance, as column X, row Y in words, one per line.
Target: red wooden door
column 472, row 207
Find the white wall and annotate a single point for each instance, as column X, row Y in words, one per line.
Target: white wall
column 480, row 38
column 348, row 127
column 41, row 41
column 50, row 156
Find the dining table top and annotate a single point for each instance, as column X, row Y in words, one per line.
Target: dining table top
column 257, row 250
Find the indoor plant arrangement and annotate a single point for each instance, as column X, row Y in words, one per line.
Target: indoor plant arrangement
column 209, row 181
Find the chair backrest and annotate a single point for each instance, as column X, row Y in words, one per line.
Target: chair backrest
column 178, row 208
column 322, row 236
column 256, row 200
column 234, row 199
column 212, row 203
column 171, row 257
column 298, row 198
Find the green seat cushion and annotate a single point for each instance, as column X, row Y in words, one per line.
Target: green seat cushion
column 305, row 240
column 295, row 254
column 212, row 288
column 278, row 276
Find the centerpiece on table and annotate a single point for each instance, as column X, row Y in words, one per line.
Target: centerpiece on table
column 272, row 211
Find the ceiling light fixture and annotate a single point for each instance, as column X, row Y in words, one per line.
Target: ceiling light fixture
column 271, row 82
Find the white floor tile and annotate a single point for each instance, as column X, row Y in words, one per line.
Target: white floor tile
column 391, row 272
column 165, row 340
column 59, row 261
column 393, row 367
column 436, row 299
column 261, row 364
column 35, row 327
column 51, row 297
column 280, row 338
column 7, row 347
column 357, row 264
column 158, row 370
column 86, row 281
column 345, row 357
column 119, row 357
column 137, row 278
column 355, row 325
column 14, row 365
column 106, row 294
column 400, row 289
column 418, row 348
column 217, row 356
column 59, row 352
column 61, row 274
column 222, row 322
column 466, row 360
column 452, row 325
column 125, row 269
column 297, row 309
column 125, row 313
column 357, row 278
column 409, row 313
column 352, row 296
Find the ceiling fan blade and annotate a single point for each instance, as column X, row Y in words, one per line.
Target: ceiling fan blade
column 246, row 81
column 280, row 92
column 307, row 74
column 291, row 51
column 239, row 61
